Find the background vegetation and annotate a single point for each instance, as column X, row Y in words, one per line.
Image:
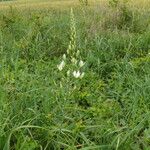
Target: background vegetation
column 42, row 108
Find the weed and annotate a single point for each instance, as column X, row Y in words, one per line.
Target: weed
column 63, row 87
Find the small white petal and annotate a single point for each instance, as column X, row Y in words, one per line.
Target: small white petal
column 81, row 63
column 64, row 56
column 82, row 75
column 61, row 66
column 76, row 74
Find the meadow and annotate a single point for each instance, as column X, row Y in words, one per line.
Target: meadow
column 75, row 76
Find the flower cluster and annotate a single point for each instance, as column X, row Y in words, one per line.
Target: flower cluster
column 73, row 58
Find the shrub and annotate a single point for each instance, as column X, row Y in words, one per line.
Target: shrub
column 121, row 17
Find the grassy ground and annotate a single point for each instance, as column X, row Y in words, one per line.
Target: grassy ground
column 38, row 4
column 45, row 108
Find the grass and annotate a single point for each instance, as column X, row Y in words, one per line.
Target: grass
column 44, row 108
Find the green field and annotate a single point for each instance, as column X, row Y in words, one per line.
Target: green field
column 75, row 76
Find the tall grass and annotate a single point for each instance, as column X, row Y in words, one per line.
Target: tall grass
column 45, row 107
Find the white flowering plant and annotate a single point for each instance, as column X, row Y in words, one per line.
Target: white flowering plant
column 72, row 63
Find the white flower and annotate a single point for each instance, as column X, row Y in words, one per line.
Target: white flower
column 64, row 56
column 76, row 74
column 74, row 61
column 81, row 63
column 61, row 65
column 82, row 75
